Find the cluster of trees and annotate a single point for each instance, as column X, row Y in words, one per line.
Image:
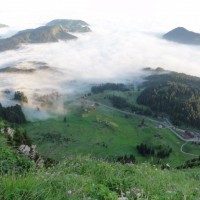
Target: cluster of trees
column 159, row 151
column 109, row 86
column 121, row 103
column 195, row 162
column 126, row 159
column 20, row 96
column 163, row 152
column 145, row 150
column 12, row 114
column 180, row 101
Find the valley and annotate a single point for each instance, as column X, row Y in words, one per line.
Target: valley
column 93, row 126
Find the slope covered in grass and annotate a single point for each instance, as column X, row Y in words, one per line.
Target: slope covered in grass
column 87, row 133
column 87, row 178
column 11, row 160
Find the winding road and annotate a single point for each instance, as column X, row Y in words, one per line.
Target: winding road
column 191, row 154
column 165, row 123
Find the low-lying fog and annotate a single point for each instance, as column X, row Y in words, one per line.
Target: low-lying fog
column 116, row 50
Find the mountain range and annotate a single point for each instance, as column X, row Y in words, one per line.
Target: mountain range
column 53, row 32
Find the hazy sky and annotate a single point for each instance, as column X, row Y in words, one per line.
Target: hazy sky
column 162, row 13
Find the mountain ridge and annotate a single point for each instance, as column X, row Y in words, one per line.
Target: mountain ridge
column 39, row 35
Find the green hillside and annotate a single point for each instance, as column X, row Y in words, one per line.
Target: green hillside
column 10, row 160
column 86, row 178
column 174, row 94
column 95, row 151
column 103, row 133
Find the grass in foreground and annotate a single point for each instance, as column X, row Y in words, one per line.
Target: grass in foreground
column 86, row 178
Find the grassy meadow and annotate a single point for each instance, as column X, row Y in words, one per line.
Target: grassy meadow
column 87, row 133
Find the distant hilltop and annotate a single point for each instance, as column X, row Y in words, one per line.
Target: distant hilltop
column 3, row 25
column 71, row 25
column 182, row 35
column 53, row 32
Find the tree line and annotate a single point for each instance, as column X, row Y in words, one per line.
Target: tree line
column 13, row 114
column 109, row 86
column 160, row 151
column 121, row 103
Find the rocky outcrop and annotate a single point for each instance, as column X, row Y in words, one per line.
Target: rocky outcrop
column 29, row 151
column 8, row 131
